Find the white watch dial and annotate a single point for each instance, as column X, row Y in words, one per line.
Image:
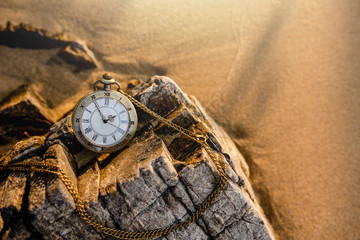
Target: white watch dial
column 105, row 121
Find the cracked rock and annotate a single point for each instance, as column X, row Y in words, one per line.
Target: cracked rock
column 23, row 111
column 157, row 181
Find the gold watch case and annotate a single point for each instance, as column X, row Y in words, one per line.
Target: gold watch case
column 80, row 108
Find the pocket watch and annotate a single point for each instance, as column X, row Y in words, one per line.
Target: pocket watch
column 104, row 120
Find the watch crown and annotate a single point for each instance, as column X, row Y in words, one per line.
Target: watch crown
column 107, row 76
column 107, row 80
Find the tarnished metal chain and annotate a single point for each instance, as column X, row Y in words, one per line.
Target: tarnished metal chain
column 199, row 137
column 194, row 136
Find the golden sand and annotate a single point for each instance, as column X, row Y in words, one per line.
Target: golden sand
column 282, row 77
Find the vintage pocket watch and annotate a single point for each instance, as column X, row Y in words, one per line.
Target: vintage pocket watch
column 104, row 120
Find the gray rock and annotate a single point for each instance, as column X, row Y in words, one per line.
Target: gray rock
column 11, row 198
column 161, row 95
column 157, row 181
column 62, row 130
column 49, row 201
column 24, row 150
column 18, row 230
column 23, row 112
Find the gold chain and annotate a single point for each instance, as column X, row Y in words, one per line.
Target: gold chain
column 120, row 234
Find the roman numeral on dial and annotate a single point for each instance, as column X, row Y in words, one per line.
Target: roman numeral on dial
column 87, row 130
column 94, row 137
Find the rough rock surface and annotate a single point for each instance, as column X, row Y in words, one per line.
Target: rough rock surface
column 157, row 181
column 23, row 112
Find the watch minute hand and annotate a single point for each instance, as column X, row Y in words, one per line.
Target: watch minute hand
column 102, row 115
column 112, row 124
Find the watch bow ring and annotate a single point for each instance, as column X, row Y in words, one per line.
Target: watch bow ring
column 104, row 120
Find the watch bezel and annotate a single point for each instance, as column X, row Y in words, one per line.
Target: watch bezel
column 80, row 108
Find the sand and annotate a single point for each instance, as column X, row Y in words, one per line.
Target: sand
column 282, row 78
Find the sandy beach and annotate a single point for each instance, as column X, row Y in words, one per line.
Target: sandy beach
column 281, row 77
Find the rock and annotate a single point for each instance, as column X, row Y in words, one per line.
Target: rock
column 78, row 54
column 11, row 196
column 24, row 150
column 62, row 130
column 23, row 113
column 159, row 180
column 161, row 95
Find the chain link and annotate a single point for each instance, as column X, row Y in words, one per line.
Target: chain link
column 48, row 168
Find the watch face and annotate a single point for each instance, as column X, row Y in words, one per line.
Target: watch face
column 104, row 121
